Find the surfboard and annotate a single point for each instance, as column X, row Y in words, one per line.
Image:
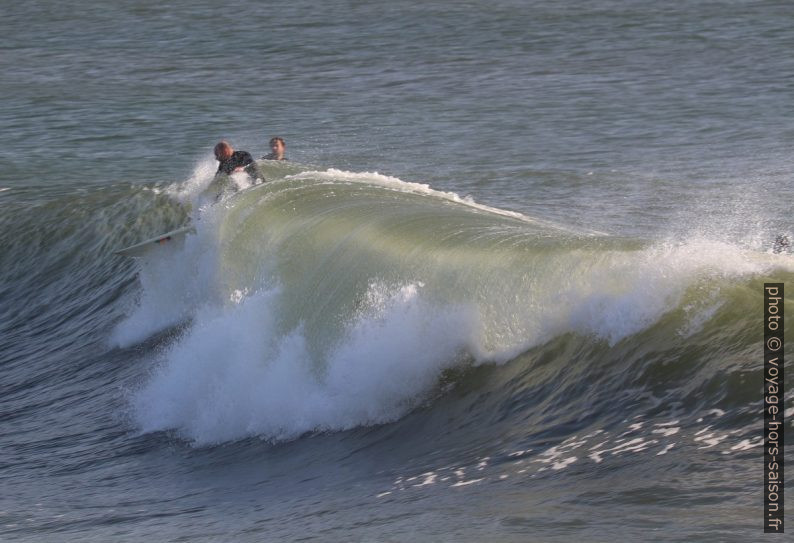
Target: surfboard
column 139, row 249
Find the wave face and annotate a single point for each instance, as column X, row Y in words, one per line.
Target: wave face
column 328, row 300
column 329, row 331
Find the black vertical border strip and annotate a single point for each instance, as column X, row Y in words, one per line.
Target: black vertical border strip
column 774, row 407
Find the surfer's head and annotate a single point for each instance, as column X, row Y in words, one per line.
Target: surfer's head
column 223, row 151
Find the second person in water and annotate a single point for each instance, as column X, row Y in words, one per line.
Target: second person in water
column 277, row 149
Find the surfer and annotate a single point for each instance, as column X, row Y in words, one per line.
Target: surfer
column 231, row 161
column 782, row 244
column 277, row 149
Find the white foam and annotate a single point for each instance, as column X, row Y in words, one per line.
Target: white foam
column 697, row 317
column 429, row 479
column 710, row 439
column 624, row 293
column 235, row 375
column 192, row 191
column 635, row 445
column 189, row 190
column 562, row 464
column 747, row 444
column 596, row 457
column 175, row 283
column 666, row 449
column 466, row 483
column 599, row 445
column 666, row 432
column 665, row 424
column 520, row 453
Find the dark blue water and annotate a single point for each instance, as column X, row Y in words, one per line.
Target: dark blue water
column 508, row 287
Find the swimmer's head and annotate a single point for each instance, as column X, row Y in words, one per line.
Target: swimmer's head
column 277, row 146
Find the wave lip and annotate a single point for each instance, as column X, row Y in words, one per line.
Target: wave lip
column 333, row 175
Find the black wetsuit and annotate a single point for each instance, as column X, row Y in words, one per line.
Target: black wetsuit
column 272, row 156
column 782, row 244
column 237, row 160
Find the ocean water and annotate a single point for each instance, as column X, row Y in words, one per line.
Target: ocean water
column 508, row 287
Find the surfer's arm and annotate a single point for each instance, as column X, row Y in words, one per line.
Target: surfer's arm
column 256, row 174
